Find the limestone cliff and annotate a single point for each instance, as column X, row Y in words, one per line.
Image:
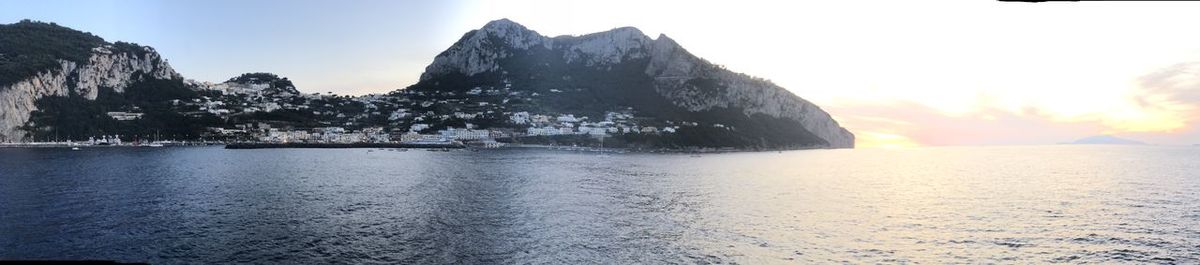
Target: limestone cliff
column 675, row 72
column 686, row 81
column 108, row 67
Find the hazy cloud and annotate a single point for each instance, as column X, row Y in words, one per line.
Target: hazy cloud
column 1161, row 107
column 987, row 125
column 1175, row 89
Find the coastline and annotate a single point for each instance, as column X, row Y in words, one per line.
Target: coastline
column 337, row 145
column 76, row 144
column 508, row 146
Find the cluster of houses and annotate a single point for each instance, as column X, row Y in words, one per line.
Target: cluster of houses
column 410, row 116
column 568, row 124
column 243, row 98
column 264, row 133
column 491, row 105
column 533, row 125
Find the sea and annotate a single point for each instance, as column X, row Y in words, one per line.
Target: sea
column 1003, row 204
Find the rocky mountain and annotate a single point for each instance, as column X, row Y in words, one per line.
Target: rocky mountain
column 41, row 59
column 60, row 83
column 625, row 69
column 502, row 81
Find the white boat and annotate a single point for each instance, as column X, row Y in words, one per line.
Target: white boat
column 74, row 148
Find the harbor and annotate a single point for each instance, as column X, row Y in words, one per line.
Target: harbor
column 340, row 145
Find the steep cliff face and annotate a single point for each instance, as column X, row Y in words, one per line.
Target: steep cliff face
column 697, row 85
column 108, row 67
column 684, row 80
column 479, row 51
column 605, row 48
column 482, row 50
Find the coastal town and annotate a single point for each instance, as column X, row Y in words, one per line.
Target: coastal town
column 586, row 96
column 419, row 133
column 480, row 117
column 484, row 117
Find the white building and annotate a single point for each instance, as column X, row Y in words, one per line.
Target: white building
column 398, row 114
column 593, row 131
column 567, row 118
column 542, row 131
column 465, row 116
column 520, row 118
column 465, row 134
column 124, row 116
column 418, row 127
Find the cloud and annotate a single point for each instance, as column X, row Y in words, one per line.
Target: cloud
column 1179, row 83
column 1161, row 107
column 1174, row 91
column 905, row 122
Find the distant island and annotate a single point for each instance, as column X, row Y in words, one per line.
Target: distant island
column 1107, row 139
column 502, row 83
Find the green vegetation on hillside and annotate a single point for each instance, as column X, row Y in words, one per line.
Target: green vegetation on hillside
column 591, row 91
column 77, row 118
column 276, row 82
column 29, row 47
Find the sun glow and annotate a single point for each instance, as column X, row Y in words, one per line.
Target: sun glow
column 1146, row 121
column 883, row 140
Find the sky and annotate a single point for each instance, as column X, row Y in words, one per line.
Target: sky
column 896, row 73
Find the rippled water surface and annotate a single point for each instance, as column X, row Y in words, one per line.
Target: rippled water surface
column 1069, row 204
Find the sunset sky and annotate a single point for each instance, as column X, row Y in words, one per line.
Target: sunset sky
column 896, row 73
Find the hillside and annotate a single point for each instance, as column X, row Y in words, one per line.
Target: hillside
column 620, row 86
column 623, row 70
column 44, row 60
